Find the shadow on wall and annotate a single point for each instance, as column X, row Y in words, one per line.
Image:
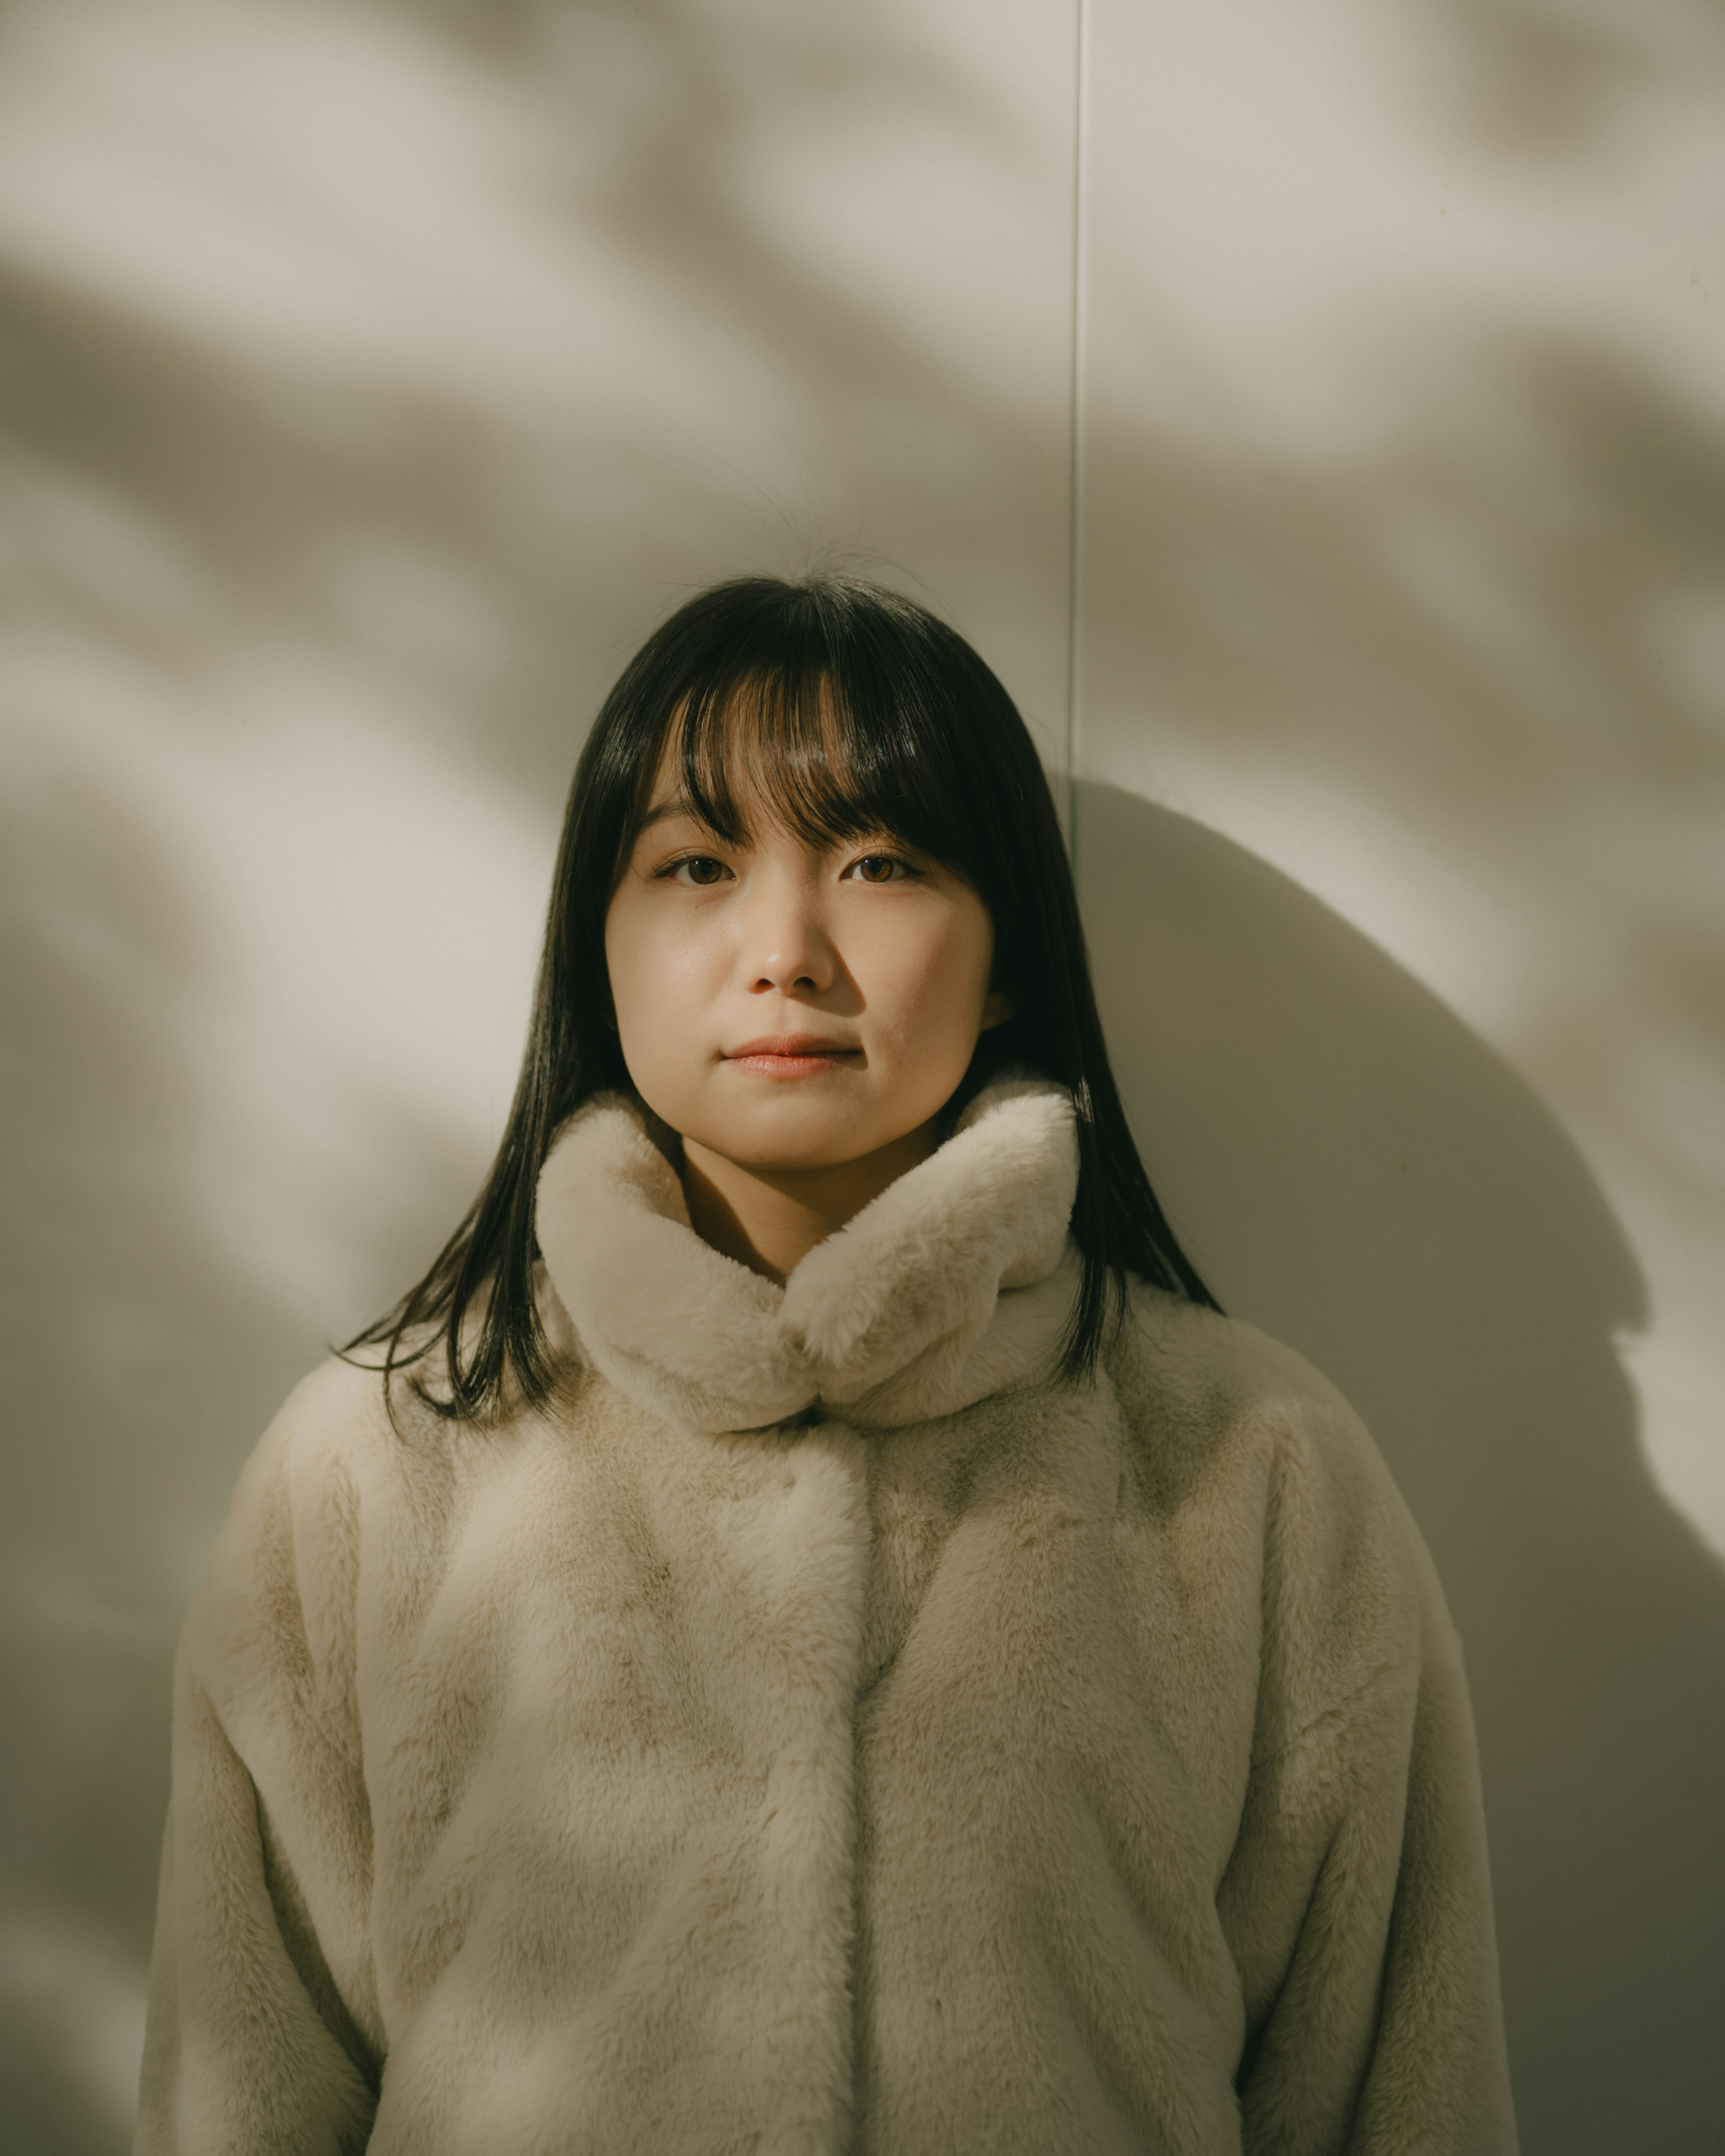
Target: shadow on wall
column 97, row 1357
column 141, row 1363
column 1358, row 1173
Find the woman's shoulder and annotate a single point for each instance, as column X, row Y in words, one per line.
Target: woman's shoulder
column 1208, row 1395
column 1178, row 1362
column 333, row 1421
column 292, row 1525
column 270, row 1620
column 1244, row 1446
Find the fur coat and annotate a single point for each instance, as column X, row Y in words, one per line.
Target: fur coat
column 822, row 1730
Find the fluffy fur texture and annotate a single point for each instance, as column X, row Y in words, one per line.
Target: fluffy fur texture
column 821, row 1730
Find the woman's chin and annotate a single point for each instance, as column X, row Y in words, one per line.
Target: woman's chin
column 786, row 1139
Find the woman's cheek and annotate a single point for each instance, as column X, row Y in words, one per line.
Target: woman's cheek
column 648, row 1007
column 671, row 1008
column 954, row 982
column 935, row 985
column 659, row 970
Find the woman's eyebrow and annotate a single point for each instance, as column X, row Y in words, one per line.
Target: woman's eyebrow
column 678, row 804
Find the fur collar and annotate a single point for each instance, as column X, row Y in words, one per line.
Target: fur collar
column 952, row 1284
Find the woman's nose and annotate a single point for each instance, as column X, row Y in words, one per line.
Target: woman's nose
column 789, row 948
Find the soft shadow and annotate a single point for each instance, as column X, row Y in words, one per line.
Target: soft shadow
column 141, row 1364
column 1359, row 1174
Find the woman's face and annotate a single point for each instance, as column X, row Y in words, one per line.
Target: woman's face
column 787, row 1007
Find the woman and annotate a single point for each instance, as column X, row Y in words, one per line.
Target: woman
column 819, row 1635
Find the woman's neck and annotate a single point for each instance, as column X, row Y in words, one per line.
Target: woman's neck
column 769, row 1218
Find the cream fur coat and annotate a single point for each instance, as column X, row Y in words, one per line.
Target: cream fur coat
column 823, row 1732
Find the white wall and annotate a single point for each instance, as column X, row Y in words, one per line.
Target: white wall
column 1404, row 597
column 377, row 374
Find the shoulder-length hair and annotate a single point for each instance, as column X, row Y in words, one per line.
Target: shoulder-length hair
column 853, row 712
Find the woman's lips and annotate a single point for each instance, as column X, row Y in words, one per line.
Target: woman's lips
column 791, row 1055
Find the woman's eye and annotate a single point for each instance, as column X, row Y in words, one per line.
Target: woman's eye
column 697, row 868
column 881, row 868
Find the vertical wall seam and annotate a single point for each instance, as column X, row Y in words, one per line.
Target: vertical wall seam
column 1075, row 491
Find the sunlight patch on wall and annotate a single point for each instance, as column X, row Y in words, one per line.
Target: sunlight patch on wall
column 367, row 914
column 1296, row 180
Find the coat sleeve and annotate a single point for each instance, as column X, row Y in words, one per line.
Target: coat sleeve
column 254, row 2044
column 1359, row 1897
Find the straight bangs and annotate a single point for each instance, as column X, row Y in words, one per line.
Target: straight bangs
column 820, row 750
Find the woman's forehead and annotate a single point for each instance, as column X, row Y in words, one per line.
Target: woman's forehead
column 670, row 793
column 765, row 755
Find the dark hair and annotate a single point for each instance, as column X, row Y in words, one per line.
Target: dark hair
column 855, row 712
